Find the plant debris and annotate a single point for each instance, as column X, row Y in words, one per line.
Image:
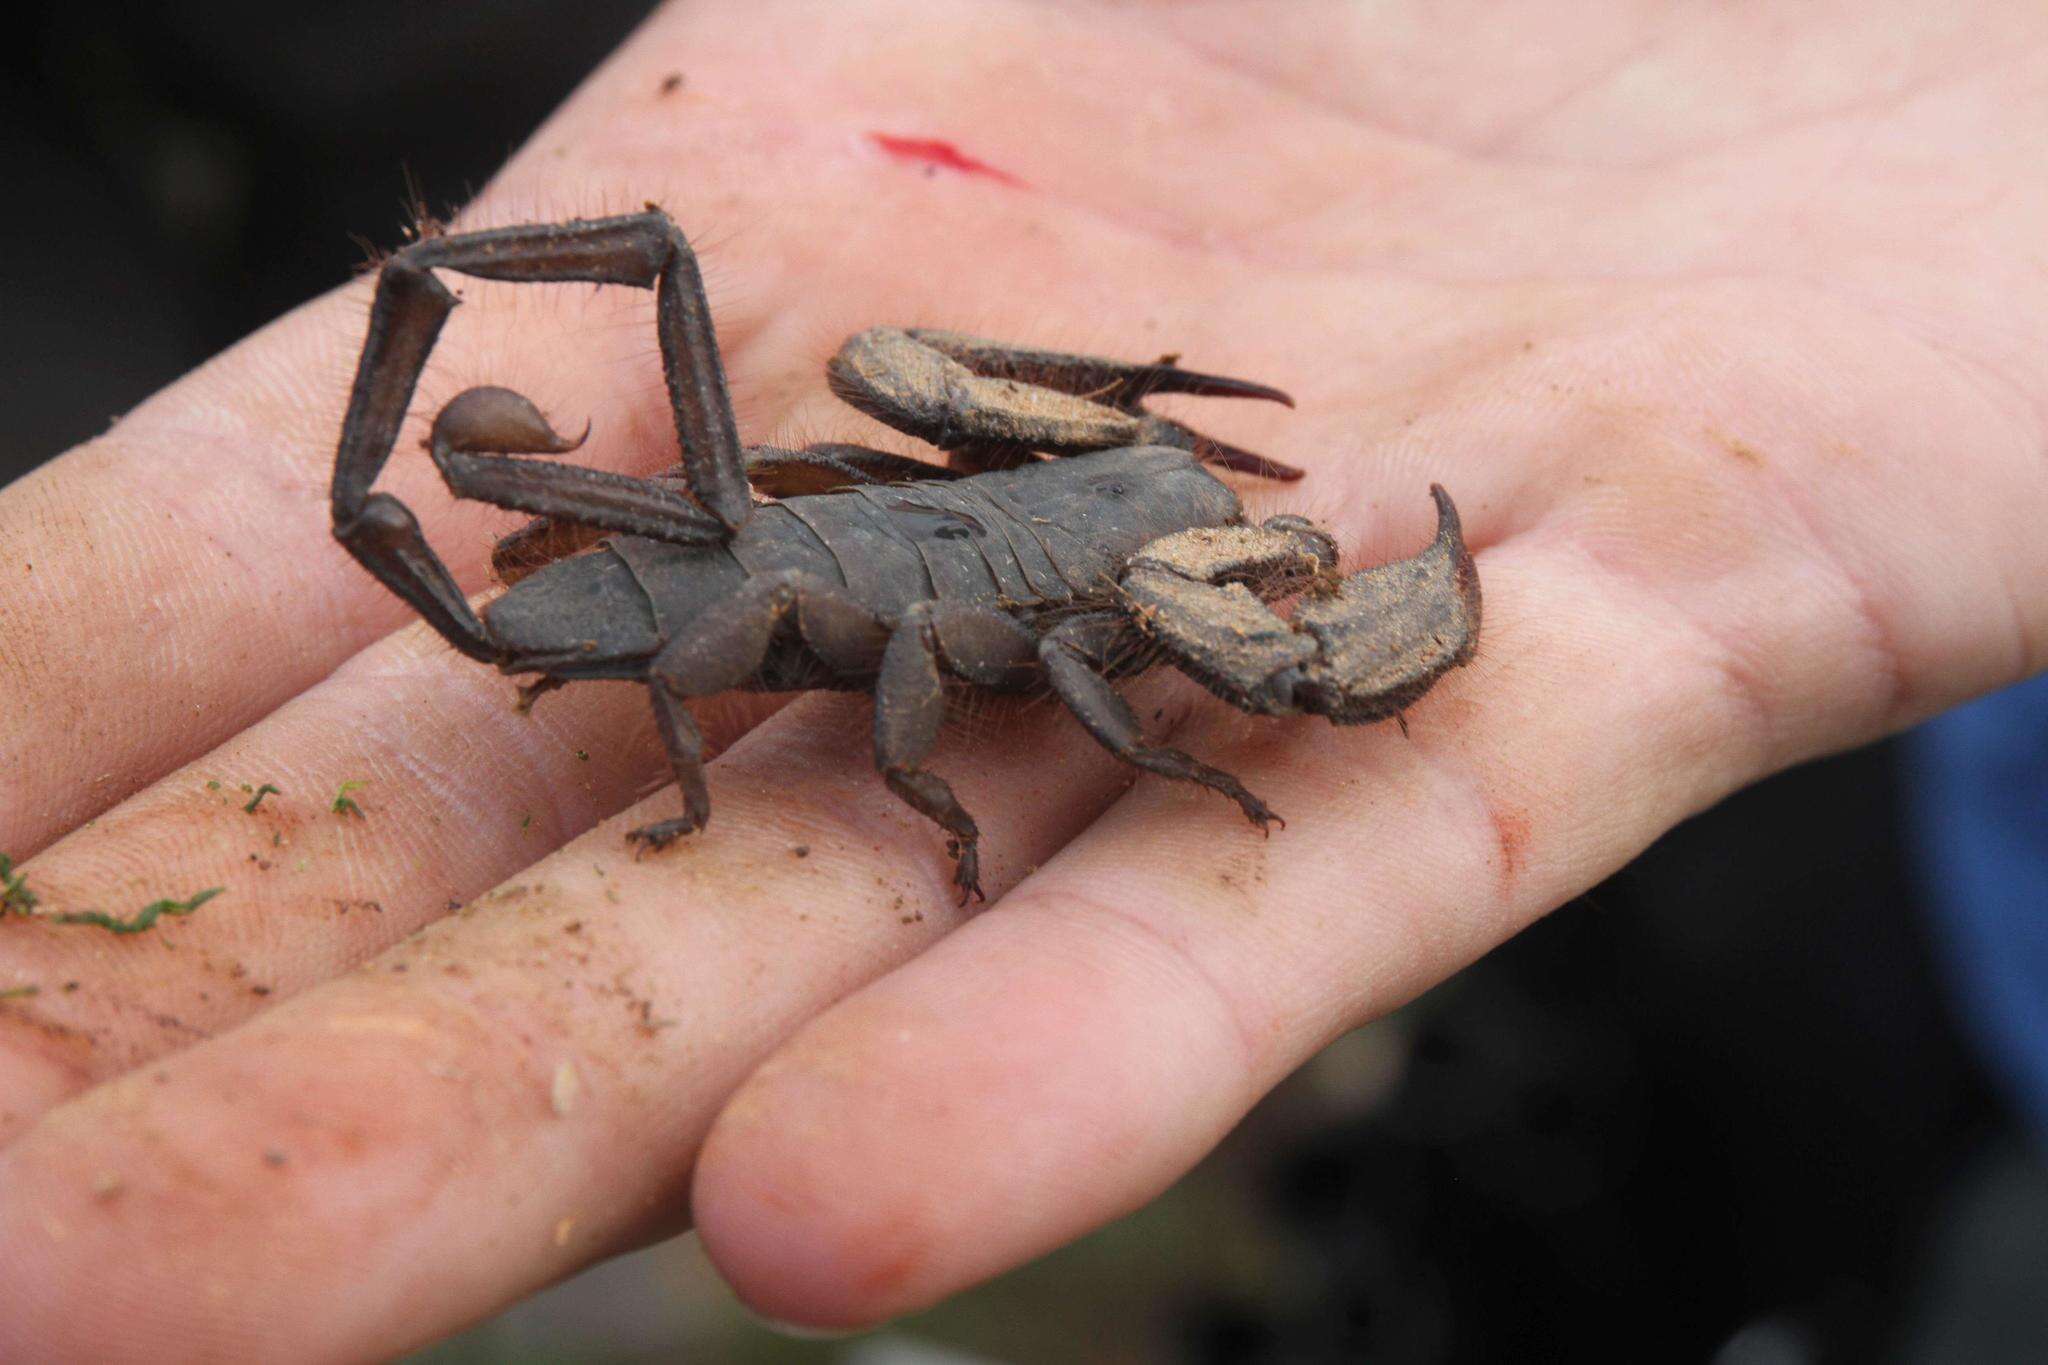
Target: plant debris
column 144, row 918
column 344, row 804
column 15, row 898
column 20, row 992
column 265, row 790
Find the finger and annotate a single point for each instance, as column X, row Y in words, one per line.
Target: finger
column 856, row 845
column 460, row 793
column 520, row 1088
column 450, row 790
column 1061, row 1061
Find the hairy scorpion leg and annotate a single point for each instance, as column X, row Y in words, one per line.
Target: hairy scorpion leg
column 995, row 404
column 976, row 644
column 725, row 646
column 1076, row 654
column 1364, row 649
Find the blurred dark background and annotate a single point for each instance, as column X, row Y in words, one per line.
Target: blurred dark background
column 186, row 172
column 1718, row 1110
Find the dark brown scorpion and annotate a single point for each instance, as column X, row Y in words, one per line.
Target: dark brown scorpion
column 873, row 572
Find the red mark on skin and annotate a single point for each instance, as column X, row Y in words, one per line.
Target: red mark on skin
column 1511, row 829
column 886, row 1278
column 931, row 152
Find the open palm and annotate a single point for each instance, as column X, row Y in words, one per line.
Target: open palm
column 1723, row 327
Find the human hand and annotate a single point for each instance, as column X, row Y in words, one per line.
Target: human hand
column 1723, row 335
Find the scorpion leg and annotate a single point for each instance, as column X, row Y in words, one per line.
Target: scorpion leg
column 406, row 316
column 996, row 403
column 724, row 650
column 378, row 529
column 1075, row 655
column 976, row 644
column 1361, row 648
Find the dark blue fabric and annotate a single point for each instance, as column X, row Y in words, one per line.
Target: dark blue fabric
column 1977, row 794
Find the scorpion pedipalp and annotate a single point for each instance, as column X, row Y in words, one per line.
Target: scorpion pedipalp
column 1362, row 648
column 994, row 404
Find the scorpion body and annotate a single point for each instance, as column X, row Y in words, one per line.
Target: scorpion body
column 1034, row 542
column 874, row 572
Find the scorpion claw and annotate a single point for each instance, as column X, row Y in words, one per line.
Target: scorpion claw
column 1387, row 634
column 964, row 393
column 1164, row 431
column 1361, row 648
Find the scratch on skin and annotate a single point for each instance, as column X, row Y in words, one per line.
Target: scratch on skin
column 932, row 152
column 1511, row 830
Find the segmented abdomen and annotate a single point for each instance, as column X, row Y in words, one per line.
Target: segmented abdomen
column 900, row 544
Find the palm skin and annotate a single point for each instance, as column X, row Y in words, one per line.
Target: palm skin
column 1722, row 328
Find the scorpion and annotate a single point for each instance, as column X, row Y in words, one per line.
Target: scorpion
column 1073, row 538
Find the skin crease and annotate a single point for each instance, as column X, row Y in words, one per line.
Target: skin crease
column 1723, row 326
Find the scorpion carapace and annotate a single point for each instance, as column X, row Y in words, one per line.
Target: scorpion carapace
column 871, row 571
